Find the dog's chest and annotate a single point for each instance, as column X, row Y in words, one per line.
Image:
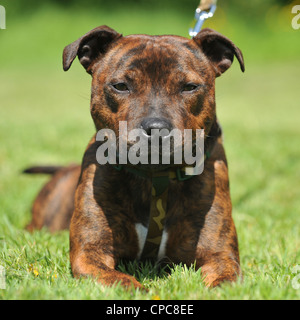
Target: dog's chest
column 142, row 233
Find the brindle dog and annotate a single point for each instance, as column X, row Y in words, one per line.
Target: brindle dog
column 153, row 82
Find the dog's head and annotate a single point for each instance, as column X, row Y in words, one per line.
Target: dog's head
column 153, row 82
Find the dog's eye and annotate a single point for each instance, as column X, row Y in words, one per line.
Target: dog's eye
column 122, row 87
column 189, row 87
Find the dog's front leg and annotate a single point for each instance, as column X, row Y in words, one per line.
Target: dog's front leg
column 84, row 264
column 96, row 260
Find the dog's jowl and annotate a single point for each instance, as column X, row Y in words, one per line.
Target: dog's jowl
column 153, row 211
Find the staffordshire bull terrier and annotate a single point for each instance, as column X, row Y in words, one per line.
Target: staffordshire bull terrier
column 153, row 211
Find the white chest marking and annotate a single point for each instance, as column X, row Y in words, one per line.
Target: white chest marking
column 142, row 234
column 162, row 247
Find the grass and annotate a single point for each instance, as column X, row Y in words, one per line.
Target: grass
column 45, row 120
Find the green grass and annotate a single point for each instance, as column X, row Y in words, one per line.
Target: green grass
column 45, row 120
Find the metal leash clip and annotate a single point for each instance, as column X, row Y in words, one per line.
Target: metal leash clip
column 205, row 10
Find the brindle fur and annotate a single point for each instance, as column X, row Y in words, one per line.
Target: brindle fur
column 108, row 203
column 54, row 205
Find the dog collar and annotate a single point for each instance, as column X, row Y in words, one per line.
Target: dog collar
column 158, row 208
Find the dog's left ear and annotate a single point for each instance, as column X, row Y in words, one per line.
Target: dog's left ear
column 219, row 50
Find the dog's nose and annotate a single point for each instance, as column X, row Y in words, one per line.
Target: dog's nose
column 156, row 123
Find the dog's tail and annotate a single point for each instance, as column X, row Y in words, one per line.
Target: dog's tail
column 43, row 169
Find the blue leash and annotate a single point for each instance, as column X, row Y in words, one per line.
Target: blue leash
column 205, row 10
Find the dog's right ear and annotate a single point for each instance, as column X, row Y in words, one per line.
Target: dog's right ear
column 89, row 47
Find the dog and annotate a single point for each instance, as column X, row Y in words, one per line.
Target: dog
column 153, row 211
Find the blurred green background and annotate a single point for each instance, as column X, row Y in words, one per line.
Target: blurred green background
column 39, row 29
column 44, row 115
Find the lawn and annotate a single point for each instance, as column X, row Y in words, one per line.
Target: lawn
column 45, row 120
